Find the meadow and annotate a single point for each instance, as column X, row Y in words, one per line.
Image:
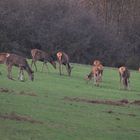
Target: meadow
column 55, row 107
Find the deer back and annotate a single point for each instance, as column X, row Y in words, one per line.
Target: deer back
column 38, row 54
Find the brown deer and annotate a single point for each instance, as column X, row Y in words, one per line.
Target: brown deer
column 39, row 55
column 3, row 57
column 100, row 66
column 21, row 62
column 63, row 59
column 95, row 74
column 124, row 74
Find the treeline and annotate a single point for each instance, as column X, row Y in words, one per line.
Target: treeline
column 86, row 29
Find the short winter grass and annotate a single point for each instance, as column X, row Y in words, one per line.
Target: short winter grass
column 39, row 110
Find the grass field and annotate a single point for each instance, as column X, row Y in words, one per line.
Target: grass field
column 55, row 107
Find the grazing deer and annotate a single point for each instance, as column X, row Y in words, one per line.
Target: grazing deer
column 96, row 74
column 124, row 74
column 21, row 62
column 63, row 59
column 3, row 57
column 41, row 56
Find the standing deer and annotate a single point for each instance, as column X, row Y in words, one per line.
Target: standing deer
column 95, row 74
column 99, row 65
column 41, row 56
column 63, row 59
column 124, row 74
column 21, row 62
column 3, row 57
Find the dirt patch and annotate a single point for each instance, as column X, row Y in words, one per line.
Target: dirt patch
column 27, row 93
column 136, row 102
column 107, row 102
column 6, row 90
column 122, row 102
column 17, row 117
column 116, row 113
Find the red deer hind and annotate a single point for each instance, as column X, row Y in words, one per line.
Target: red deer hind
column 96, row 64
column 21, row 62
column 124, row 74
column 99, row 64
column 63, row 59
column 39, row 55
column 96, row 74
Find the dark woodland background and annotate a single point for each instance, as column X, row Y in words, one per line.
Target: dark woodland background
column 108, row 30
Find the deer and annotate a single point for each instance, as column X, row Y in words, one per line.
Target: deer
column 95, row 74
column 99, row 64
column 63, row 59
column 124, row 74
column 3, row 57
column 21, row 62
column 39, row 55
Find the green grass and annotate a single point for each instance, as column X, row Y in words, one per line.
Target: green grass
column 68, row 120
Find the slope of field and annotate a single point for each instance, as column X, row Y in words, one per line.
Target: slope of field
column 55, row 107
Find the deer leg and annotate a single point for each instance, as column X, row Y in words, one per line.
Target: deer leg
column 21, row 74
column 59, row 68
column 68, row 70
column 35, row 66
column 62, row 67
column 34, row 63
column 129, row 85
column 44, row 63
column 9, row 67
column 43, row 66
column 124, row 83
column 95, row 82
column 47, row 67
column 121, row 82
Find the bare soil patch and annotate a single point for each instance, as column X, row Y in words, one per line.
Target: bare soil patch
column 118, row 113
column 136, row 102
column 122, row 102
column 17, row 117
column 27, row 93
column 5, row 90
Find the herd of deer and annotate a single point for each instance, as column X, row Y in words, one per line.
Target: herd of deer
column 62, row 58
